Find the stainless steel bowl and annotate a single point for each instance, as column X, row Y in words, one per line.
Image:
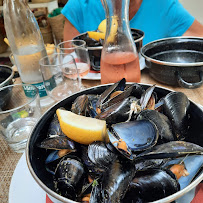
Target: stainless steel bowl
column 36, row 156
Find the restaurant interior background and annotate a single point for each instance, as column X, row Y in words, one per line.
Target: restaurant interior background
column 42, row 8
column 45, row 7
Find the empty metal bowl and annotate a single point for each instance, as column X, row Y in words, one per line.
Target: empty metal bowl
column 176, row 61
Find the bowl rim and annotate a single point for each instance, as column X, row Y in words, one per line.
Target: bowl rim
column 66, row 200
column 9, row 78
column 153, row 44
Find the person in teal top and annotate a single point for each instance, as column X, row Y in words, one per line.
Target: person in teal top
column 157, row 18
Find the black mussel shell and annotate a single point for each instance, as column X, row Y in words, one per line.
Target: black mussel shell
column 67, row 176
column 170, row 150
column 138, row 136
column 116, row 180
column 175, row 108
column 79, row 106
column 57, row 142
column 151, row 185
column 120, row 85
column 118, row 112
column 162, row 123
column 100, row 155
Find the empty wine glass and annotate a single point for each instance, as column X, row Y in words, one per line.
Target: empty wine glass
column 77, row 48
column 60, row 75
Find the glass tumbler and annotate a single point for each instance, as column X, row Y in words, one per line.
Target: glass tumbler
column 19, row 113
column 60, row 75
column 77, row 48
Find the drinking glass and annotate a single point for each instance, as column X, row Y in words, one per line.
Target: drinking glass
column 77, row 48
column 19, row 112
column 60, row 75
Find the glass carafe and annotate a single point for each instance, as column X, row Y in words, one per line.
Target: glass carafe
column 119, row 58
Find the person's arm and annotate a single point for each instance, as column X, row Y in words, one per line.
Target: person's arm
column 196, row 30
column 69, row 31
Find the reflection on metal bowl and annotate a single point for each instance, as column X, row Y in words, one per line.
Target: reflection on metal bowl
column 36, row 156
column 175, row 61
column 94, row 47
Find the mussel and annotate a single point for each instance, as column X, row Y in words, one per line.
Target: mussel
column 136, row 135
column 162, row 123
column 67, row 176
column 150, row 185
column 116, row 180
column 175, row 107
column 100, row 155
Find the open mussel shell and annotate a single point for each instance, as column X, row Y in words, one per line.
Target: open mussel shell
column 192, row 163
column 138, row 136
column 175, row 108
column 120, row 85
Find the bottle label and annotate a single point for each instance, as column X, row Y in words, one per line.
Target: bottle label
column 50, row 84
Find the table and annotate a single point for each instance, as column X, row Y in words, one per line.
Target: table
column 9, row 159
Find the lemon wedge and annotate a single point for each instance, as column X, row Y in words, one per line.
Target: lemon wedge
column 81, row 129
column 102, row 26
column 96, row 35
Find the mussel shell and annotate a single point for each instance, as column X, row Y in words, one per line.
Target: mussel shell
column 151, row 185
column 146, row 96
column 193, row 165
column 162, row 123
column 54, row 127
column 175, row 108
column 68, row 174
column 170, row 150
column 79, row 106
column 138, row 135
column 119, row 112
column 118, row 98
column 120, row 85
column 91, row 107
column 100, row 155
column 116, row 180
column 57, row 142
column 149, row 163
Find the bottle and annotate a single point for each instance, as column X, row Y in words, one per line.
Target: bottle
column 27, row 45
column 119, row 58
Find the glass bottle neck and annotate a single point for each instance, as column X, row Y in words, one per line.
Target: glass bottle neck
column 118, row 9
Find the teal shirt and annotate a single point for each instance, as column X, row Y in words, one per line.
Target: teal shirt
column 157, row 18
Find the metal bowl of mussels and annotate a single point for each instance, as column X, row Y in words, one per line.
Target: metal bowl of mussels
column 95, row 47
column 152, row 131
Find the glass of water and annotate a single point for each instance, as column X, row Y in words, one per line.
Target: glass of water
column 19, row 112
